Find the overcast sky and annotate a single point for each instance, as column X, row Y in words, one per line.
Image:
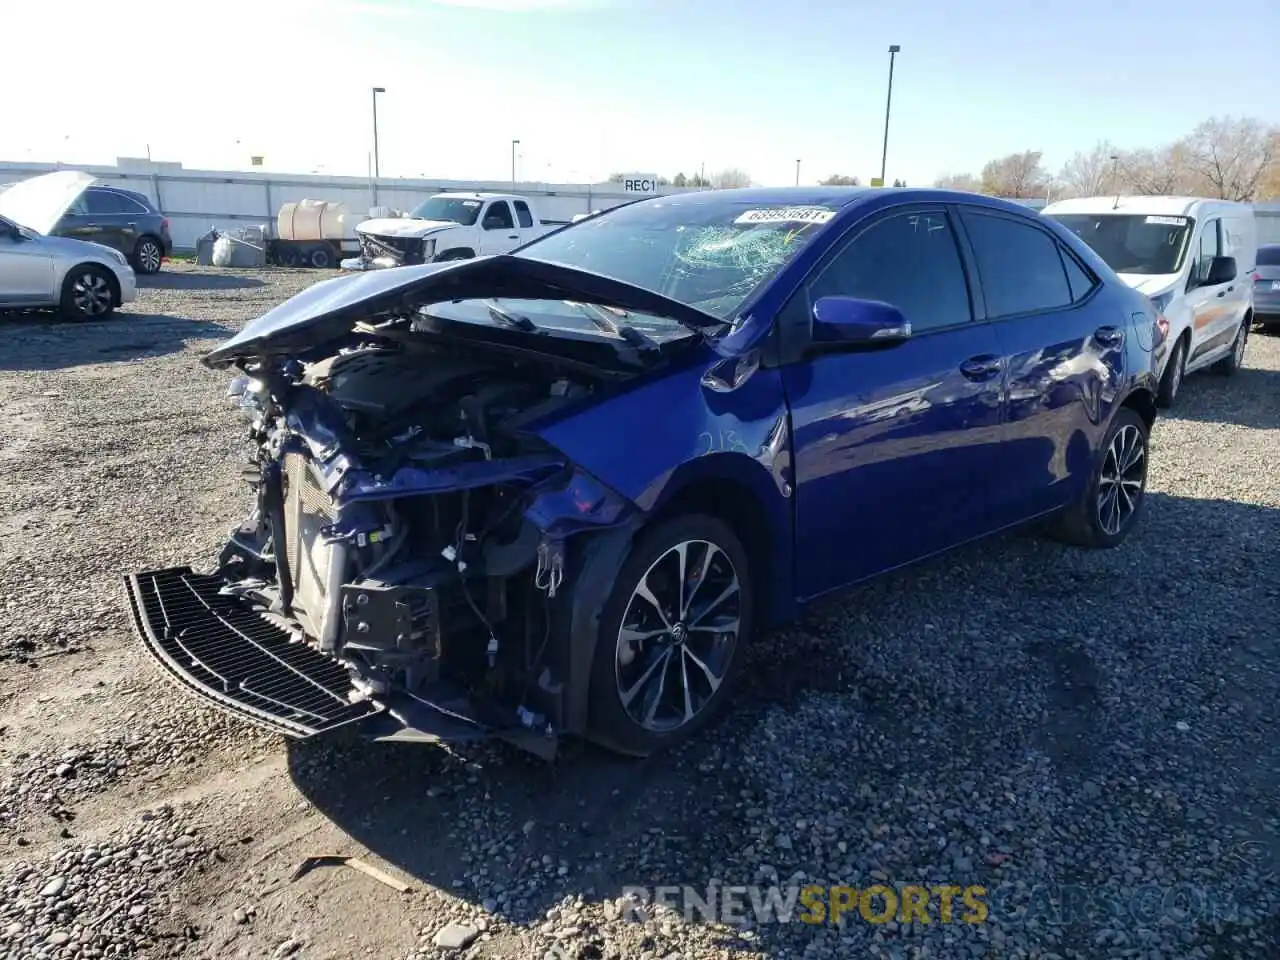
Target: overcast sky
column 594, row 86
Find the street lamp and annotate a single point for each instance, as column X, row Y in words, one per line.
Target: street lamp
column 884, row 156
column 797, row 173
column 514, row 144
column 376, row 91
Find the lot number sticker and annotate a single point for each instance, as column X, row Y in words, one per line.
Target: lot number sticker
column 1168, row 221
column 787, row 215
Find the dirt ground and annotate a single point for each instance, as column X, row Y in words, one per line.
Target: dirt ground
column 1018, row 715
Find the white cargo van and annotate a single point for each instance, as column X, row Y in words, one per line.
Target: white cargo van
column 1193, row 257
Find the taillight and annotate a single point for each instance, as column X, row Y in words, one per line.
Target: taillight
column 1162, row 324
column 164, row 223
column 1255, row 276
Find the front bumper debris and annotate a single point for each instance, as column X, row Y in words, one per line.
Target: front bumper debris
column 222, row 649
column 217, row 646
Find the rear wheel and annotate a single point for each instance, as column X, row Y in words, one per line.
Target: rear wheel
column 672, row 636
column 1235, row 359
column 88, row 293
column 1105, row 515
column 1174, row 371
column 321, row 258
column 147, row 256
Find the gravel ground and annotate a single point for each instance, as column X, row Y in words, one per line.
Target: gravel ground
column 1088, row 736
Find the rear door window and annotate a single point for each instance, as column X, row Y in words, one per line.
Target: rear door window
column 523, row 214
column 1019, row 264
column 103, row 202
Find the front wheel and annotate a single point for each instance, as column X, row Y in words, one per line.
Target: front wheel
column 672, row 636
column 87, row 293
column 1106, row 514
column 1174, row 371
column 1235, row 359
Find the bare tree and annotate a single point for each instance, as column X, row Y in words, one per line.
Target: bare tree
column 729, row 178
column 1017, row 176
column 1231, row 155
column 1090, row 173
column 840, row 180
column 1162, row 171
column 959, row 181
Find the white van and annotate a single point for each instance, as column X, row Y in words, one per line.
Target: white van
column 1193, row 257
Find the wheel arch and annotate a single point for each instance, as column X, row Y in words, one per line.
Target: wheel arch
column 1142, row 401
column 454, row 253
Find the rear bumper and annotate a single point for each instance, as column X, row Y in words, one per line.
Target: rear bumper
column 220, row 648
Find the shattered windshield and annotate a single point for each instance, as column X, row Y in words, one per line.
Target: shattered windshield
column 460, row 210
column 703, row 251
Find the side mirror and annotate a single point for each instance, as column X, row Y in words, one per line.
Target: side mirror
column 1221, row 270
column 851, row 322
column 11, row 231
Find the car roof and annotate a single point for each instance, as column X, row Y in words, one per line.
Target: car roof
column 1151, row 206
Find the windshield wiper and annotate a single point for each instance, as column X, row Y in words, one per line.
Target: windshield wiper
column 600, row 317
column 521, row 323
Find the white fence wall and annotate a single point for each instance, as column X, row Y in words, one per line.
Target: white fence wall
column 196, row 200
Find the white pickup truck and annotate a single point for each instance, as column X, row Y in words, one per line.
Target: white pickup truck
column 448, row 226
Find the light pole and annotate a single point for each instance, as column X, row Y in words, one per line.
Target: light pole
column 514, row 144
column 797, row 173
column 888, row 104
column 376, row 91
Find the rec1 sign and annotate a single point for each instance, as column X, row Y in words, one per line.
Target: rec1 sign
column 640, row 182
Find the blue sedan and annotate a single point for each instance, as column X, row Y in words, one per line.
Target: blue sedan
column 560, row 491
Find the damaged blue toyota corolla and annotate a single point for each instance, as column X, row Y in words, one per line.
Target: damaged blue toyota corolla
column 559, row 491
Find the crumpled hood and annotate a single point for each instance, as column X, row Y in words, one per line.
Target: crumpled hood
column 402, row 227
column 329, row 309
column 40, row 202
column 1149, row 284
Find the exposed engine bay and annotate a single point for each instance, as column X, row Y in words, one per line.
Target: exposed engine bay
column 400, row 529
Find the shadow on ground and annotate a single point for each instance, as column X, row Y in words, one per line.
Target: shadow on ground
column 34, row 341
column 1248, row 398
column 197, row 281
column 492, row 823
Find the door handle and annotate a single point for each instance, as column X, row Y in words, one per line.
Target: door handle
column 1222, row 293
column 93, row 225
column 981, row 368
column 1109, row 336
column 513, row 236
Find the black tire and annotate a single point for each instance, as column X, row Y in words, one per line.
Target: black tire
column 1174, row 372
column 88, row 293
column 147, row 256
column 321, row 258
column 1082, row 524
column 653, row 559
column 1234, row 360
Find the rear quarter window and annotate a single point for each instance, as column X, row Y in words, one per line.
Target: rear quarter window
column 1269, row 256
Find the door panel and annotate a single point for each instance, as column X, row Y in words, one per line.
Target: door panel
column 893, row 445
column 498, row 229
column 26, row 271
column 1062, row 341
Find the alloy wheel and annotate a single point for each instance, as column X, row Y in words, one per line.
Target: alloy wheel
column 1124, row 474
column 678, row 635
column 149, row 257
column 91, row 294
